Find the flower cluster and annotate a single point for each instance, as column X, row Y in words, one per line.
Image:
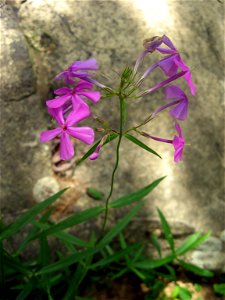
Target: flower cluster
column 173, row 67
column 69, row 107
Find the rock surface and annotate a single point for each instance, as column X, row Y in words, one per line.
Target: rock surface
column 59, row 32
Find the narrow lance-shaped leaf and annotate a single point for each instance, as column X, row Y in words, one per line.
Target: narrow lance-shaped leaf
column 192, row 242
column 74, row 220
column 29, row 216
column 115, row 257
column 156, row 263
column 136, row 196
column 166, row 230
column 140, row 144
column 197, row 270
column 67, row 261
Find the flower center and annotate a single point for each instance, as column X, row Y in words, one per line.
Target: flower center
column 64, row 127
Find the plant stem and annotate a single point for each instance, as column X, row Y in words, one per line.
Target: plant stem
column 116, row 165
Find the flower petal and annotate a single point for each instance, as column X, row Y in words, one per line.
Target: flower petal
column 178, row 129
column 178, row 144
column 168, row 65
column 94, row 96
column 179, row 62
column 66, row 147
column 168, row 42
column 89, row 64
column 80, row 113
column 77, row 102
column 58, row 102
column 57, row 114
column 174, row 92
column 83, row 85
column 62, row 91
column 49, row 135
column 180, row 111
column 84, row 134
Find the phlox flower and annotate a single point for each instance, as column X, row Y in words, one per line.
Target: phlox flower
column 73, row 95
column 67, row 129
column 180, row 111
column 78, row 70
column 177, row 142
column 170, row 64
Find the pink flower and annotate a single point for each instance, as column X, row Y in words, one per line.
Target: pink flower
column 177, row 142
column 73, row 95
column 75, row 70
column 180, row 111
column 67, row 129
column 170, row 63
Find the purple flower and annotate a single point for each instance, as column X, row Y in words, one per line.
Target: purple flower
column 180, row 111
column 73, row 95
column 177, row 142
column 170, row 63
column 75, row 70
column 67, row 129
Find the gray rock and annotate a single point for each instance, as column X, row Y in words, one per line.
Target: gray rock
column 59, row 32
column 211, row 244
column 45, row 187
column 17, row 78
column 211, row 260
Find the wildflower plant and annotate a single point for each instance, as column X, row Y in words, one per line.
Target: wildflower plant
column 69, row 103
column 62, row 278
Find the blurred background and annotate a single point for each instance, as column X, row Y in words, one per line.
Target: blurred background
column 40, row 38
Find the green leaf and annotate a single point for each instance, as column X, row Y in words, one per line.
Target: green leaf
column 71, row 239
column 184, row 293
column 219, row 288
column 28, row 216
column 140, row 144
column 197, row 287
column 67, row 261
column 136, row 196
column 156, row 244
column 33, row 232
column 196, row 270
column 120, row 225
column 111, row 137
column 152, row 264
column 27, row 289
column 74, row 220
column 115, row 257
column 166, row 230
column 95, row 194
column 192, row 242
column 175, row 291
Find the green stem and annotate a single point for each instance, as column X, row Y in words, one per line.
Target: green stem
column 115, row 167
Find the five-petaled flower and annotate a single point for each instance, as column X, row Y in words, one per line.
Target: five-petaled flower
column 72, row 95
column 67, row 129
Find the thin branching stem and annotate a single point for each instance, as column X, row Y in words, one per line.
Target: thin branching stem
column 115, row 167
